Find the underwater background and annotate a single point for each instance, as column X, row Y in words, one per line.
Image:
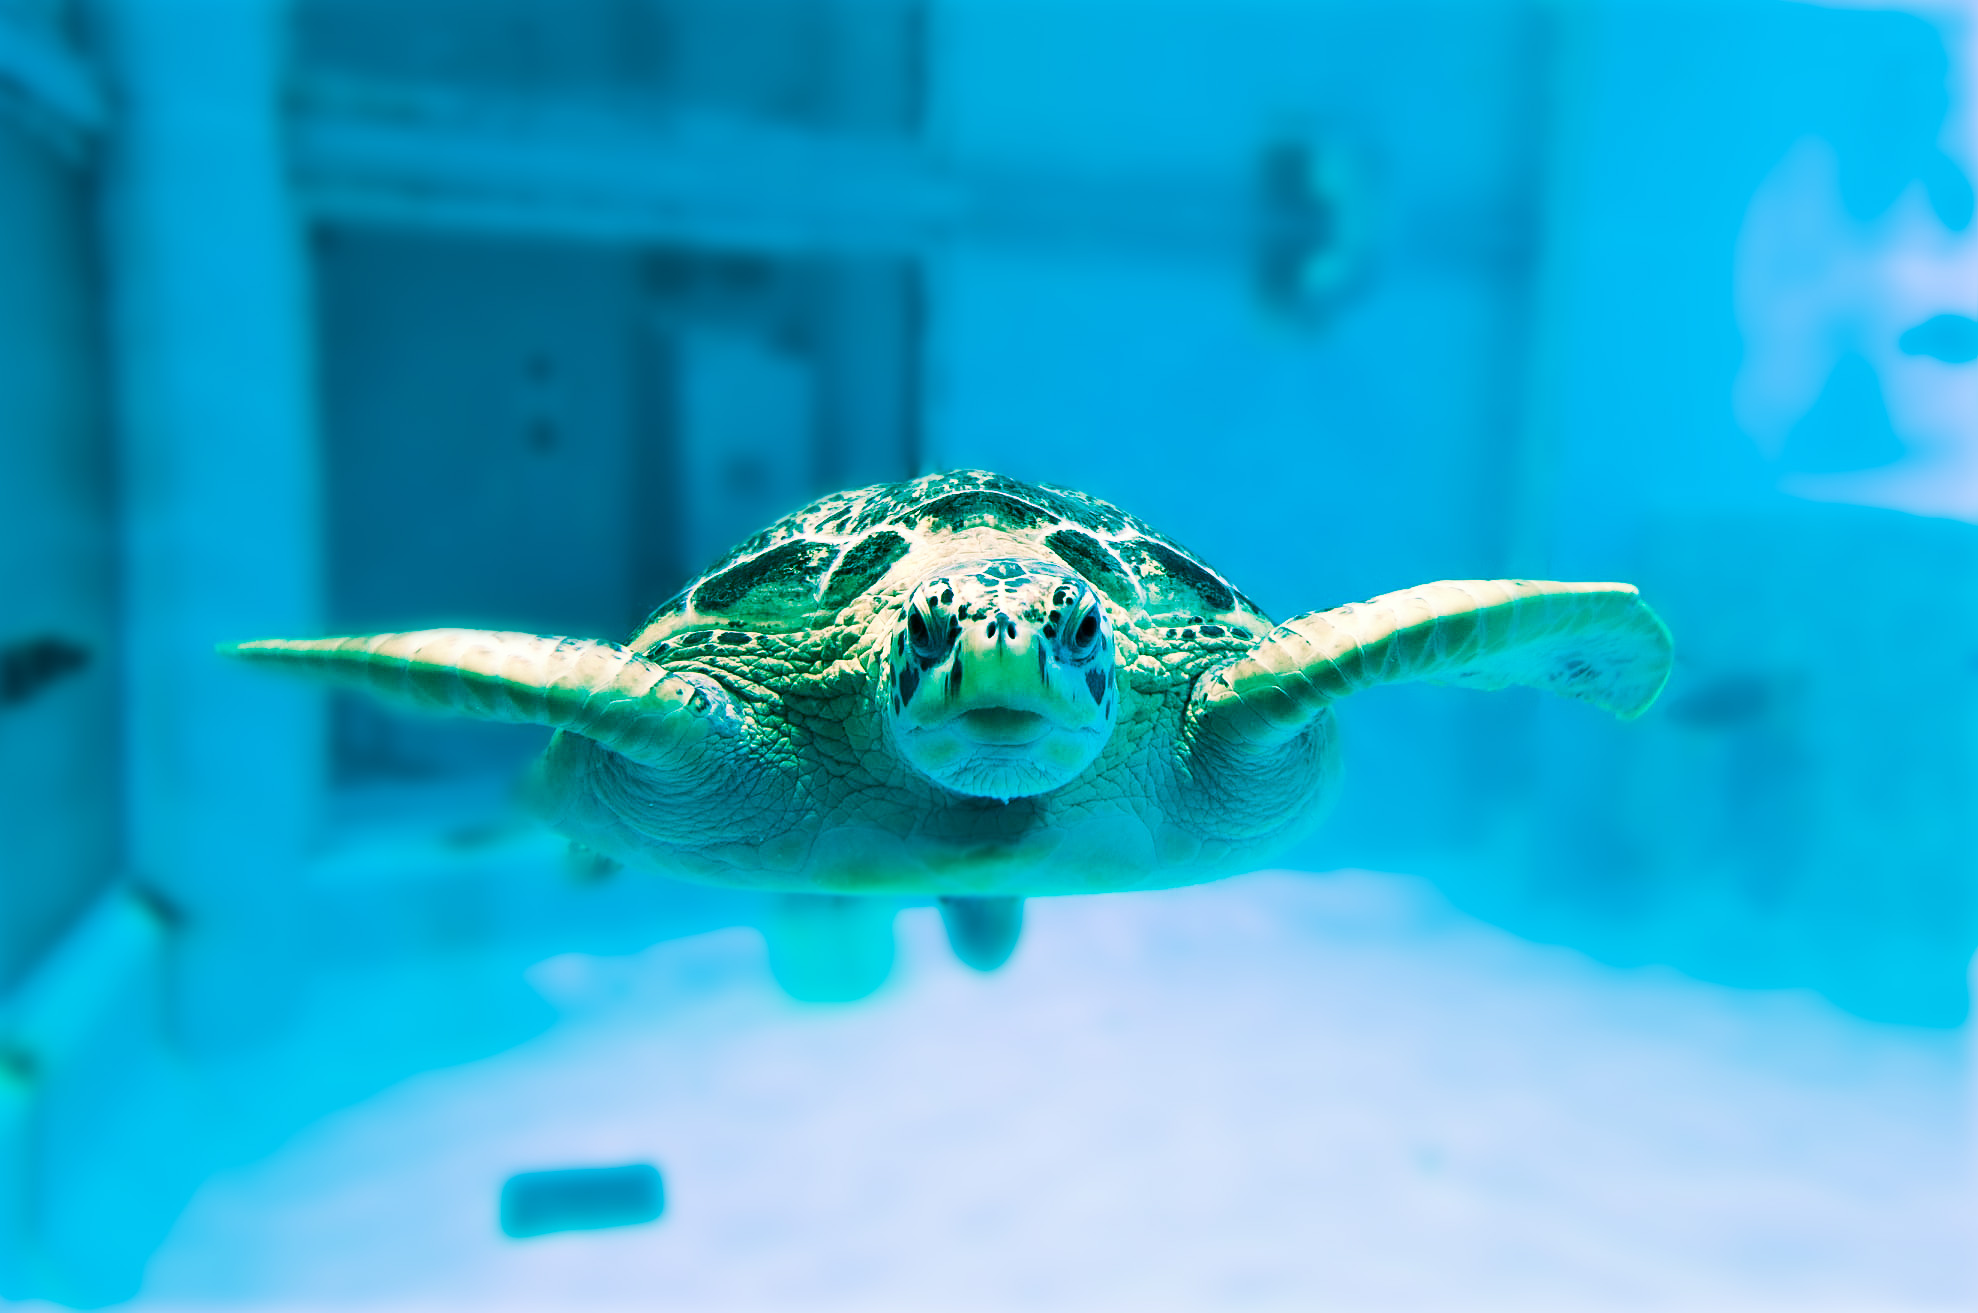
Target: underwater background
column 325, row 316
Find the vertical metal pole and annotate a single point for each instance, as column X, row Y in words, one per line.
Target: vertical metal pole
column 212, row 362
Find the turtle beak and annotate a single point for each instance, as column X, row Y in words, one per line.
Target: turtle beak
column 1003, row 726
column 1001, row 687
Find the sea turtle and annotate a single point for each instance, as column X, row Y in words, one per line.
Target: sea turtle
column 977, row 689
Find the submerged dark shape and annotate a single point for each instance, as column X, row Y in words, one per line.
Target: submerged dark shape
column 1952, row 339
column 1725, row 702
column 29, row 666
column 581, row 1199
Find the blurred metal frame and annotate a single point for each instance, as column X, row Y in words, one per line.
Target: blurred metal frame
column 371, row 153
column 130, row 1054
column 51, row 87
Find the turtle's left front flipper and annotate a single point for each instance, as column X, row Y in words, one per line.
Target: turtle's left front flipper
column 1598, row 643
column 667, row 720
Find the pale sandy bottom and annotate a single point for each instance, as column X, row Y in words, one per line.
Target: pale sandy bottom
column 1281, row 1091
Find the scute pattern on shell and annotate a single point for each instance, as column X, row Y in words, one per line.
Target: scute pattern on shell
column 802, row 571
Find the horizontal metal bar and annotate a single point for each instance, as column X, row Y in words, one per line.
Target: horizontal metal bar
column 1290, row 216
column 424, row 158
column 433, row 160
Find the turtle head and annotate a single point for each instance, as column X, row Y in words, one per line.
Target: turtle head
column 1000, row 677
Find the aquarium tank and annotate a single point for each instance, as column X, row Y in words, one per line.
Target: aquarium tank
column 327, row 317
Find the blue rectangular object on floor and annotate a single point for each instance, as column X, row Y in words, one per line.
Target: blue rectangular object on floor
column 581, row 1199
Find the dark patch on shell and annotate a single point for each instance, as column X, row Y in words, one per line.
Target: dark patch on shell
column 791, row 572
column 1099, row 567
column 862, row 566
column 1158, row 561
column 980, row 509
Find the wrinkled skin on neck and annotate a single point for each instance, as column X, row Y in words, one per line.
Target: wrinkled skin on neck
column 1001, row 677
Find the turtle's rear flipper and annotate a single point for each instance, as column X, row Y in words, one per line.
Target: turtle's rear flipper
column 830, row 948
column 982, row 931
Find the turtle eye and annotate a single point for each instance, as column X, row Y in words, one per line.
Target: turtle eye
column 1079, row 642
column 925, row 638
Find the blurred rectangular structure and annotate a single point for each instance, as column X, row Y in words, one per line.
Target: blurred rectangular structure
column 360, row 414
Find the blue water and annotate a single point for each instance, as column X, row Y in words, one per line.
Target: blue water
column 335, row 316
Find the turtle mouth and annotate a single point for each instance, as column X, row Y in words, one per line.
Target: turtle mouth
column 1003, row 726
column 1000, row 751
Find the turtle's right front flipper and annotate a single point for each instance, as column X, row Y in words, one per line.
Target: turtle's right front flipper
column 667, row 720
column 1597, row 643
column 1259, row 730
